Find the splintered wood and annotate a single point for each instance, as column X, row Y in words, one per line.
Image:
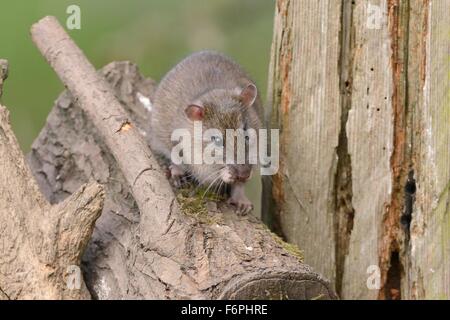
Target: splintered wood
column 360, row 91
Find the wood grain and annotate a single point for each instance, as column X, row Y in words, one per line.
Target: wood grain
column 430, row 228
column 365, row 139
column 304, row 95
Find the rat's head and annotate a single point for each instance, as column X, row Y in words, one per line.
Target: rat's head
column 219, row 110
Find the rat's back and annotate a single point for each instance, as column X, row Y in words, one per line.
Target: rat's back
column 196, row 74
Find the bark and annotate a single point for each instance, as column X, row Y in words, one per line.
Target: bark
column 144, row 245
column 3, row 74
column 41, row 245
column 366, row 169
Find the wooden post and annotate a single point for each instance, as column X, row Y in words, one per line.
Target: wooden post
column 360, row 91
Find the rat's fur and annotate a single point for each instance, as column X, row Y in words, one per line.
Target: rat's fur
column 213, row 81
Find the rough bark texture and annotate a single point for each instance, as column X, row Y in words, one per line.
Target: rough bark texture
column 144, row 245
column 40, row 245
column 385, row 180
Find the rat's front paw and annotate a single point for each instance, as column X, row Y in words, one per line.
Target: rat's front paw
column 243, row 205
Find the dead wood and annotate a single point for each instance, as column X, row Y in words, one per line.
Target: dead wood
column 40, row 245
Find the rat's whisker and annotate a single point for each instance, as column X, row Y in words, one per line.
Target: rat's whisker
column 201, row 183
column 209, row 176
column 219, row 188
column 221, row 182
column 211, row 184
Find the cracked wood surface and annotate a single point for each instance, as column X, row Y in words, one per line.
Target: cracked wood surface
column 304, row 104
column 429, row 69
column 370, row 143
column 382, row 188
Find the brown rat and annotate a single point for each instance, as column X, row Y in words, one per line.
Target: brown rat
column 211, row 88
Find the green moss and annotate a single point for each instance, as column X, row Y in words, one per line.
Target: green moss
column 193, row 201
column 289, row 247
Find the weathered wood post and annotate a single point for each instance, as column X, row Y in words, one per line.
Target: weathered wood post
column 360, row 91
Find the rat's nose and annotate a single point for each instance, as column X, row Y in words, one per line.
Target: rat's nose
column 243, row 173
column 243, row 177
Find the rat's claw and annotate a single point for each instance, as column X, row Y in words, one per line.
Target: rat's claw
column 245, row 209
column 242, row 206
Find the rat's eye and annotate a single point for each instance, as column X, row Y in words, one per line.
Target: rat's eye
column 218, row 141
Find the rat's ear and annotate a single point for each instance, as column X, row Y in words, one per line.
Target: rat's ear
column 194, row 112
column 248, row 95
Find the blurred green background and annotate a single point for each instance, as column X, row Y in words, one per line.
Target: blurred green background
column 154, row 34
